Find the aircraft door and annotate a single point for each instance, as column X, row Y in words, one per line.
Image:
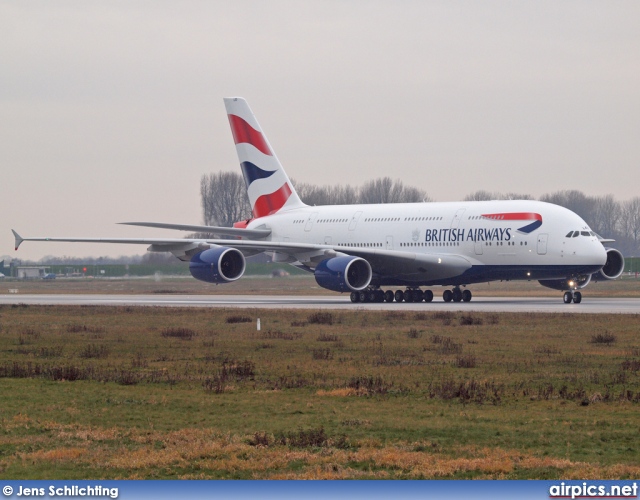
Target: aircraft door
column 457, row 218
column 542, row 244
column 478, row 247
column 389, row 242
column 310, row 220
column 354, row 221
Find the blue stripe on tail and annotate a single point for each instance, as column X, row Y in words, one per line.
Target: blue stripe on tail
column 251, row 172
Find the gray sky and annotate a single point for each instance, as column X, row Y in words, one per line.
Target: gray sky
column 112, row 111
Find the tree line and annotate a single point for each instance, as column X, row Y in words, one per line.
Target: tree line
column 224, row 196
column 224, row 201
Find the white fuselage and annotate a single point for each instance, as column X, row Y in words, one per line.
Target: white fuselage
column 481, row 232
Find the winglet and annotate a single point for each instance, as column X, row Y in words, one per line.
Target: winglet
column 19, row 238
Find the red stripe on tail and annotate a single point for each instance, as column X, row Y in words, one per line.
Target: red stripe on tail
column 245, row 133
column 270, row 203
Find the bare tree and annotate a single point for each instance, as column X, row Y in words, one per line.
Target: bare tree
column 606, row 214
column 517, row 196
column 344, row 195
column 321, row 195
column 576, row 201
column 384, row 190
column 630, row 220
column 482, row 195
column 224, row 199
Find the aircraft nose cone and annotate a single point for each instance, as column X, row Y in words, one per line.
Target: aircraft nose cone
column 600, row 253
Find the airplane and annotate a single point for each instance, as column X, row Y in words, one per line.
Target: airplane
column 363, row 249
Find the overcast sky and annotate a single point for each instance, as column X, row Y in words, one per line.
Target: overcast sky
column 112, row 111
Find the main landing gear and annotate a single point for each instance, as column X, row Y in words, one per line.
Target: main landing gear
column 457, row 295
column 572, row 296
column 409, row 295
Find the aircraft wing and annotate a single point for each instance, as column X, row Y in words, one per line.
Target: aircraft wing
column 217, row 230
column 131, row 241
column 383, row 262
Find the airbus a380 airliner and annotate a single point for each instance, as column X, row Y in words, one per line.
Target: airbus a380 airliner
column 363, row 249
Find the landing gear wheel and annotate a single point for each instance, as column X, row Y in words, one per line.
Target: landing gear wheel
column 428, row 295
column 457, row 295
column 466, row 295
column 399, row 295
column 408, row 296
column 568, row 297
column 355, row 297
column 379, row 294
column 447, row 295
column 577, row 297
column 388, row 296
column 364, row 296
column 418, row 296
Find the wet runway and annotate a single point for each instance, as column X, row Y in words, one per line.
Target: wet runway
column 338, row 302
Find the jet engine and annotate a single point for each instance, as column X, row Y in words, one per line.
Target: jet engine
column 217, row 265
column 344, row 274
column 613, row 268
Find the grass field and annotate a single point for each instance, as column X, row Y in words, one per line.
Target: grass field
column 99, row 392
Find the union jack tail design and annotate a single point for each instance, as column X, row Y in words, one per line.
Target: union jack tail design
column 268, row 186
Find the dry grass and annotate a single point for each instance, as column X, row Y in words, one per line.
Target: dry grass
column 209, row 453
column 504, row 396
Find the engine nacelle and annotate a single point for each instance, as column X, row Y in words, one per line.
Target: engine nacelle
column 344, row 274
column 568, row 283
column 217, row 265
column 613, row 268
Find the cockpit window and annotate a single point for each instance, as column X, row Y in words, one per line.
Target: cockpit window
column 575, row 234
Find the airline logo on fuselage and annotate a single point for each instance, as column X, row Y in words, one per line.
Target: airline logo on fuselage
column 486, row 233
column 528, row 216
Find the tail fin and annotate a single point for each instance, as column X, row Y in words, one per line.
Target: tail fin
column 268, row 185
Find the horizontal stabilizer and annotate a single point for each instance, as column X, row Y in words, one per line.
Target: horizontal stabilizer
column 18, row 238
column 217, row 230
